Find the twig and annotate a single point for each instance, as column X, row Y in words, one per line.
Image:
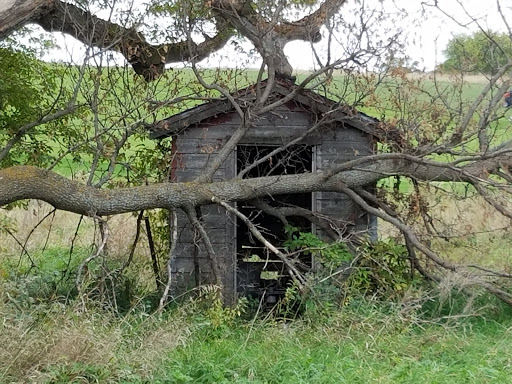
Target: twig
column 133, row 246
column 72, row 248
column 348, row 268
column 173, row 226
column 99, row 251
column 52, row 212
column 24, row 249
column 152, row 251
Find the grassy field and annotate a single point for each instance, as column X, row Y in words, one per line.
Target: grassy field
column 428, row 335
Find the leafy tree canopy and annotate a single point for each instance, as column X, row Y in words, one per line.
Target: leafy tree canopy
column 482, row 52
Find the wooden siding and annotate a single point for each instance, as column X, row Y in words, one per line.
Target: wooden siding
column 198, row 145
column 273, row 128
column 341, row 145
column 191, row 264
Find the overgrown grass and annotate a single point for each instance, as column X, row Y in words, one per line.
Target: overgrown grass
column 376, row 347
column 429, row 335
column 422, row 339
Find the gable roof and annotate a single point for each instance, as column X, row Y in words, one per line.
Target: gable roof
column 315, row 102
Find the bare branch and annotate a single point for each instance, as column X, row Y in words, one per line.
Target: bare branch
column 413, row 241
column 283, row 212
column 26, row 128
column 104, row 237
column 469, row 115
column 173, row 236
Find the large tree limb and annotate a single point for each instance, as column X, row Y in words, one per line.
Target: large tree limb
column 27, row 182
column 270, row 36
column 16, row 13
column 307, row 28
column 146, row 59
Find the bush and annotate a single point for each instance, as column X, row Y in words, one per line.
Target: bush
column 379, row 269
column 383, row 269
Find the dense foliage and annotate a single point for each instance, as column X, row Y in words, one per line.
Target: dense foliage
column 481, row 52
column 25, row 84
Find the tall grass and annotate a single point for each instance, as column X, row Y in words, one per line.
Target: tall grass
column 421, row 339
column 430, row 335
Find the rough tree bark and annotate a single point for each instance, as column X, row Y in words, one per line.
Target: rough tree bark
column 269, row 37
column 146, row 59
column 27, row 182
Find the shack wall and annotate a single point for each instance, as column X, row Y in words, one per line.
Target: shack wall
column 198, row 145
column 191, row 266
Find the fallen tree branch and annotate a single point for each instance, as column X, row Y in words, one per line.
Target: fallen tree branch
column 413, row 241
column 152, row 252
column 282, row 213
column 28, row 182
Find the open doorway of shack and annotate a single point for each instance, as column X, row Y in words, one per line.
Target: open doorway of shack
column 260, row 273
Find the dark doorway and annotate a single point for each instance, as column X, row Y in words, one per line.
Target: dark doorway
column 260, row 272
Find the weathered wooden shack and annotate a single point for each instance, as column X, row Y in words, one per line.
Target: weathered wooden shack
column 200, row 132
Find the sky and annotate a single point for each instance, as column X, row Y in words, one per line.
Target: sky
column 426, row 33
column 428, row 30
column 437, row 28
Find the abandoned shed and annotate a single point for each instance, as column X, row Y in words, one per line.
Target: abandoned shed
column 246, row 267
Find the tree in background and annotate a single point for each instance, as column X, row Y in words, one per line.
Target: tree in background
column 482, row 52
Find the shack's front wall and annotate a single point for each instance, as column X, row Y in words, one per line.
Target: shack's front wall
column 341, row 144
column 196, row 147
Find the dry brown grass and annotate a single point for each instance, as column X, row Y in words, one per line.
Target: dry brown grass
column 472, row 79
column 470, row 231
column 61, row 227
column 59, row 232
column 34, row 342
